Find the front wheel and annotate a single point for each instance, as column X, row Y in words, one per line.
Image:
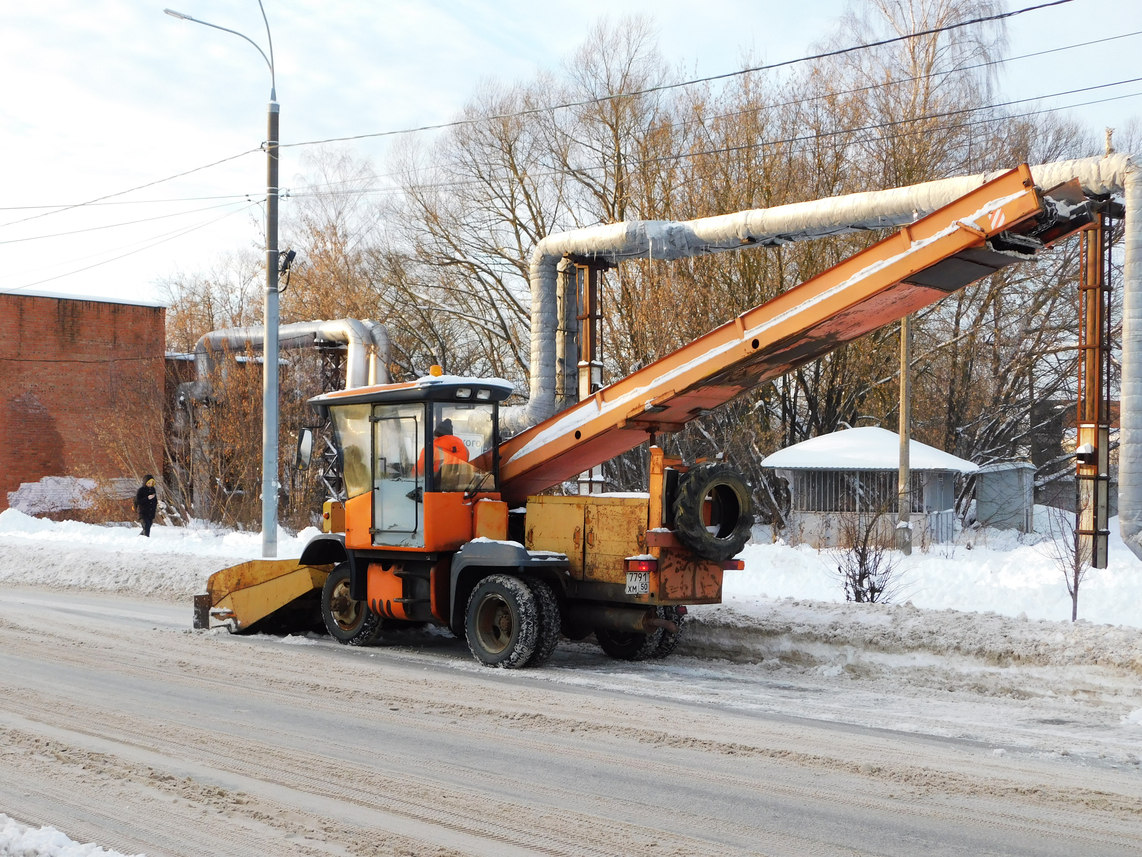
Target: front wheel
column 348, row 621
column 502, row 622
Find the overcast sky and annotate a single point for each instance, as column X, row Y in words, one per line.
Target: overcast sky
column 104, row 96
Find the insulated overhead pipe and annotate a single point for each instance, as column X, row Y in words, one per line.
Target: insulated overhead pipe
column 609, row 244
column 367, row 359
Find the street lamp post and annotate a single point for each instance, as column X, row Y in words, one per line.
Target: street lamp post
column 270, row 308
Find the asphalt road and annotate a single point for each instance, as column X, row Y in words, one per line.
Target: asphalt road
column 123, row 727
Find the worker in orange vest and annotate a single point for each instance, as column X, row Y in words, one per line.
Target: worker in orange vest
column 449, row 448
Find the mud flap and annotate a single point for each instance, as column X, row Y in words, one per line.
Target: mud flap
column 202, row 612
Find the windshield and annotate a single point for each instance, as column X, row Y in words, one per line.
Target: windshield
column 463, row 439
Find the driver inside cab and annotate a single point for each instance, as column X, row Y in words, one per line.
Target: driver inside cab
column 449, row 448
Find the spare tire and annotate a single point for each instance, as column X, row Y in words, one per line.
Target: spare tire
column 713, row 513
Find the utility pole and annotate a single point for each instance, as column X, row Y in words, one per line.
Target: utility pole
column 270, row 304
column 904, row 482
column 270, row 346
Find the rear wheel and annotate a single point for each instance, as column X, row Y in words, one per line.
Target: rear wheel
column 502, row 622
column 550, row 624
column 348, row 621
column 632, row 646
column 669, row 640
column 628, row 645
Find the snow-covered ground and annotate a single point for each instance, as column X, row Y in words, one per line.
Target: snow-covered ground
column 994, row 596
column 985, row 571
column 19, row 840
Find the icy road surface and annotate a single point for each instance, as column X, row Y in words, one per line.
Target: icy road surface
column 123, row 727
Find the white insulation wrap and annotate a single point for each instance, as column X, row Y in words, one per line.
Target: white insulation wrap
column 1111, row 175
column 1130, row 438
column 366, row 360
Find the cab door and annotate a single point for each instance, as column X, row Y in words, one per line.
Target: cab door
column 398, row 432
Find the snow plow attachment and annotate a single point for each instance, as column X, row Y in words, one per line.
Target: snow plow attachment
column 256, row 591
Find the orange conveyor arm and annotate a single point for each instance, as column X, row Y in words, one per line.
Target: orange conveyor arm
column 910, row 269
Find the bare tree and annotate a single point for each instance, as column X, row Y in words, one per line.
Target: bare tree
column 471, row 210
column 867, row 562
column 229, row 295
column 443, row 259
column 210, row 461
column 606, row 142
column 334, row 226
column 1071, row 556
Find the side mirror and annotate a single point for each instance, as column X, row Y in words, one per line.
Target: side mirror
column 304, row 449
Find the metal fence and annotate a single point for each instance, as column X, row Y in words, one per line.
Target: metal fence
column 862, row 491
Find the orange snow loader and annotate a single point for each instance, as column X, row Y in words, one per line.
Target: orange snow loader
column 470, row 543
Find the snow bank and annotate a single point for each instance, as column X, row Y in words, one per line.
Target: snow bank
column 1020, row 581
column 997, row 596
column 60, row 493
column 811, row 632
column 173, row 562
column 16, row 840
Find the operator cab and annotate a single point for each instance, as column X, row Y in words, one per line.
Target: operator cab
column 406, row 443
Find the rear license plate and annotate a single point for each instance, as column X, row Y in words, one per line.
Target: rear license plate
column 638, row 583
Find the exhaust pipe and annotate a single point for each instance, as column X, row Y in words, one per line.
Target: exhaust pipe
column 627, row 620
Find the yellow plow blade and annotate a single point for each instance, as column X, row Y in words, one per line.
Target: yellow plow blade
column 243, row 594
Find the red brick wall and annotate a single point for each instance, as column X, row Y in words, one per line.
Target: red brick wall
column 72, row 372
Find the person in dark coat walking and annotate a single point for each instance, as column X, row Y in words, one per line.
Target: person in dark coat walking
column 147, row 503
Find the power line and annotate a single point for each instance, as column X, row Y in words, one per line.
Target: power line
column 315, row 190
column 105, row 199
column 894, row 123
column 63, row 206
column 879, row 126
column 130, row 190
column 115, row 225
column 458, row 123
column 161, row 239
column 581, row 103
column 868, row 88
column 936, row 74
column 320, row 189
column 54, row 208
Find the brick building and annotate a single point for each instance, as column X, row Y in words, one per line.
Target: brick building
column 78, row 377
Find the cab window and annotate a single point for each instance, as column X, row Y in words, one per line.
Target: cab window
column 463, row 438
column 351, row 424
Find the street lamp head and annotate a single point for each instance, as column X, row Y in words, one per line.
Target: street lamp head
column 182, row 16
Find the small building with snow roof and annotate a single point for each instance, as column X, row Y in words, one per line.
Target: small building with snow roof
column 841, row 479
